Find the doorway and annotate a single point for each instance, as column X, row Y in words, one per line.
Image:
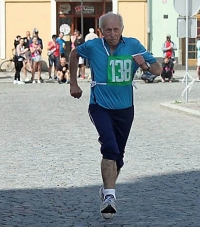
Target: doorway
column 88, row 22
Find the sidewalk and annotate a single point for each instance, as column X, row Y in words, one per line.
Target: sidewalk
column 7, row 77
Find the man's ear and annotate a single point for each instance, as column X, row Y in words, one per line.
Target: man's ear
column 122, row 28
column 101, row 31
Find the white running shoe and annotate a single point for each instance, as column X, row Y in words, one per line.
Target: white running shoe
column 26, row 79
column 33, row 82
column 15, row 82
column 39, row 82
column 108, row 206
column 20, row 82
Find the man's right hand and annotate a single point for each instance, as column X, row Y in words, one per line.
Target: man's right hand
column 75, row 91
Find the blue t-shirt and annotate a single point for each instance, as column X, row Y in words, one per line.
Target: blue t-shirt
column 61, row 41
column 113, row 75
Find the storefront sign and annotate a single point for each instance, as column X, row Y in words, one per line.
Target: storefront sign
column 65, row 28
column 86, row 9
column 64, row 9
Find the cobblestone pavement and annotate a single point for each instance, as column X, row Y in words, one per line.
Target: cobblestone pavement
column 49, row 166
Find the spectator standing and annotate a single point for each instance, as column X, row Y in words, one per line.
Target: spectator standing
column 36, row 58
column 81, row 63
column 53, row 55
column 198, row 57
column 62, row 44
column 19, row 58
column 169, row 48
column 39, row 40
column 73, row 38
column 90, row 36
column 114, row 60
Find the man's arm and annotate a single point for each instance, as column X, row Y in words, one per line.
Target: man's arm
column 155, row 68
column 75, row 90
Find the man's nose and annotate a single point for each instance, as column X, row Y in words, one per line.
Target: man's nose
column 112, row 33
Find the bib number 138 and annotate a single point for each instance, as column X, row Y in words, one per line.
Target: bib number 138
column 120, row 70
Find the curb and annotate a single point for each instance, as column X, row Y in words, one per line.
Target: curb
column 181, row 109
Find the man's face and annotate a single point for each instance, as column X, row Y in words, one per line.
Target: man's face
column 27, row 34
column 76, row 34
column 36, row 34
column 112, row 30
column 168, row 38
column 166, row 60
column 63, row 61
column 21, row 41
column 61, row 35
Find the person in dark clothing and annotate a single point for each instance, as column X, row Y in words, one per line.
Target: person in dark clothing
column 19, row 59
column 63, row 72
column 167, row 70
column 82, row 62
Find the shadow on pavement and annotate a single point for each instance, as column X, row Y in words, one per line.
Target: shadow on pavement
column 164, row 200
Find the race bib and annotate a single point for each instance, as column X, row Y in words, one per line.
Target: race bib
column 120, row 70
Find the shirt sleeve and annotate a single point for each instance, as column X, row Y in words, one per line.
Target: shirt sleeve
column 148, row 57
column 84, row 50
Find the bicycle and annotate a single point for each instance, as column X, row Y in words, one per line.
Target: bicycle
column 8, row 65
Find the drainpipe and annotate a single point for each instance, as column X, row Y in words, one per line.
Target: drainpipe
column 149, row 25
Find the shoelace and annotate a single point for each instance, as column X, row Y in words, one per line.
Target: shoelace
column 109, row 198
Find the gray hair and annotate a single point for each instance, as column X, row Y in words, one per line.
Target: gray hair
column 103, row 18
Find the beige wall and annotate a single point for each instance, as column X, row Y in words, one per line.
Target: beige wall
column 134, row 14
column 25, row 16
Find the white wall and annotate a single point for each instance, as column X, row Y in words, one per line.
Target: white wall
column 161, row 27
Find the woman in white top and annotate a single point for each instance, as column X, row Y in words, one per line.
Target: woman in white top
column 19, row 58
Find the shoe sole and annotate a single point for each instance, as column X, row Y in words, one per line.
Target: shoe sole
column 105, row 215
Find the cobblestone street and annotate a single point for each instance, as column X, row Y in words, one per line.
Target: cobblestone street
column 50, row 160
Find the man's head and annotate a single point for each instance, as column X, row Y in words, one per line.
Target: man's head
column 61, row 35
column 76, row 33
column 21, row 41
column 36, row 33
column 54, row 37
column 111, row 26
column 28, row 33
column 168, row 37
column 63, row 61
column 18, row 37
column 35, row 40
column 91, row 30
column 166, row 59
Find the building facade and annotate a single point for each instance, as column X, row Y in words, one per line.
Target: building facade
column 147, row 20
column 51, row 16
column 163, row 22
